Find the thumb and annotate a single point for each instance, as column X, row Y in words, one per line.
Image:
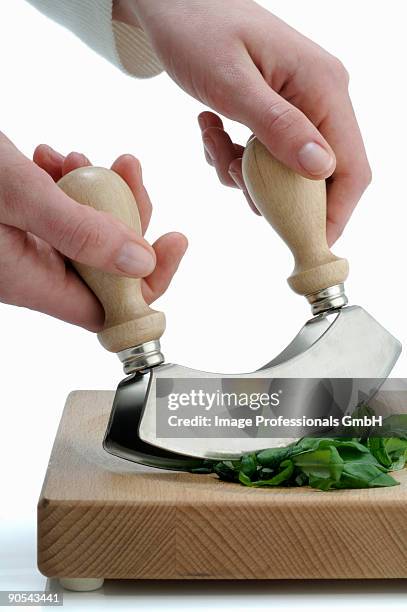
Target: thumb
column 288, row 134
column 79, row 232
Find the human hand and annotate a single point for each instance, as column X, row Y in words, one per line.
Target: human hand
column 250, row 66
column 40, row 226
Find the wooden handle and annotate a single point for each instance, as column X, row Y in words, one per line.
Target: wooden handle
column 128, row 320
column 296, row 209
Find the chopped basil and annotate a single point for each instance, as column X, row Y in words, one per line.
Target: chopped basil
column 323, row 463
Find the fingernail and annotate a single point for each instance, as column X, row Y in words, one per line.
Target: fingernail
column 209, row 146
column 315, row 159
column 236, row 176
column 53, row 152
column 208, row 157
column 138, row 164
column 251, row 203
column 202, row 122
column 135, row 260
column 83, row 158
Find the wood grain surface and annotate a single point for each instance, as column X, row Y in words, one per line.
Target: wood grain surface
column 100, row 516
column 129, row 321
column 296, row 209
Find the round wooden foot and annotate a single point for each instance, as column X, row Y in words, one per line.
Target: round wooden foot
column 81, row 584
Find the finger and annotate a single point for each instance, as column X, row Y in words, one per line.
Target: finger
column 239, row 150
column 208, row 157
column 33, row 275
column 222, row 151
column 352, row 174
column 209, row 119
column 342, row 197
column 235, row 171
column 73, row 161
column 129, row 168
column 288, row 134
column 169, row 250
column 49, row 160
column 81, row 233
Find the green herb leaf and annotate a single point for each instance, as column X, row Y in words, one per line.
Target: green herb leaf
column 357, row 475
column 394, row 426
column 272, row 457
column 248, row 464
column 225, row 471
column 397, row 450
column 324, row 463
column 286, row 470
column 377, row 447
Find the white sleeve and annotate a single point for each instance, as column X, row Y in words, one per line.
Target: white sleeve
column 91, row 20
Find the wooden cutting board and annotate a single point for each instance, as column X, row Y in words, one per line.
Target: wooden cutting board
column 100, row 516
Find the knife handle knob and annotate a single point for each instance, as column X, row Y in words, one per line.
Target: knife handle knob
column 129, row 321
column 296, row 208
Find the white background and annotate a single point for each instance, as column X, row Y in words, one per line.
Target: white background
column 229, row 308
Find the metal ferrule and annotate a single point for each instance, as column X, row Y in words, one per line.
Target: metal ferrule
column 140, row 357
column 327, row 299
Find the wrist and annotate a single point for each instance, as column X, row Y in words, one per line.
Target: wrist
column 147, row 11
column 125, row 11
